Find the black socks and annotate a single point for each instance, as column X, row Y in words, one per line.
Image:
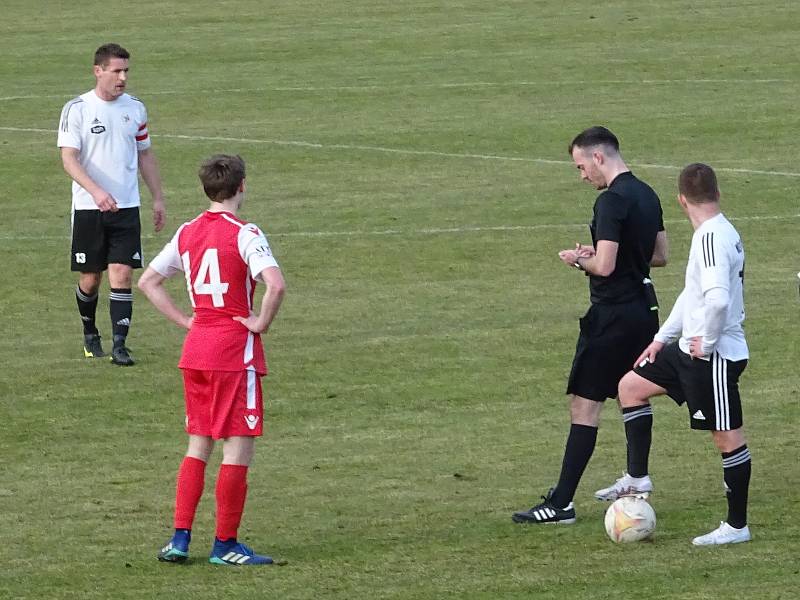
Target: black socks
column 577, row 453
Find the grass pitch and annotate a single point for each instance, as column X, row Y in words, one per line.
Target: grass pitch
column 408, row 161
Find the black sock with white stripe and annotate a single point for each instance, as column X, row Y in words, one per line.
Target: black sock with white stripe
column 639, row 433
column 87, row 307
column 736, row 470
column 121, row 309
column 578, row 452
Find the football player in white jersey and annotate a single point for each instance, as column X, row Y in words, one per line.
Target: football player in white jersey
column 104, row 142
column 697, row 357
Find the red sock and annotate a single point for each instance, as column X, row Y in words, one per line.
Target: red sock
column 191, row 477
column 231, row 494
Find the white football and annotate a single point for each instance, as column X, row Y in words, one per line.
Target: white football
column 630, row 519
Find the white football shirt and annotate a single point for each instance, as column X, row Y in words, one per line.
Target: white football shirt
column 716, row 260
column 109, row 136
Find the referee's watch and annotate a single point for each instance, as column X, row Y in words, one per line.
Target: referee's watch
column 578, row 264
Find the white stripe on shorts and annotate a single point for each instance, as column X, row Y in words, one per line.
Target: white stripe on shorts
column 248, row 348
column 251, row 388
column 719, row 378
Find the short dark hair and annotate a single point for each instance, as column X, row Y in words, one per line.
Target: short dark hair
column 594, row 136
column 221, row 176
column 108, row 51
column 698, row 184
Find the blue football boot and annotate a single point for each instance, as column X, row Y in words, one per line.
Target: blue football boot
column 177, row 550
column 234, row 553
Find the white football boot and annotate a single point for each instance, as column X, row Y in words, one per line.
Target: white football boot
column 626, row 486
column 724, row 534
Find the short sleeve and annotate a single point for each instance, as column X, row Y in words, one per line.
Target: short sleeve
column 168, row 262
column 610, row 212
column 70, row 125
column 143, row 141
column 255, row 251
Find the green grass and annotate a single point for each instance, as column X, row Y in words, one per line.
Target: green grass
column 408, row 161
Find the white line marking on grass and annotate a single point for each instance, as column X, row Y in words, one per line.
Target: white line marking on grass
column 403, row 86
column 363, row 148
column 424, row 231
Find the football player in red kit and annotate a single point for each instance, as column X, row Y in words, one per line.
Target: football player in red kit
column 222, row 258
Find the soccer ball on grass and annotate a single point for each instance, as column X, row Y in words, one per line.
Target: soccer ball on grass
column 630, row 519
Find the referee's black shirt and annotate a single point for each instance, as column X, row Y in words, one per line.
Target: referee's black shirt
column 629, row 213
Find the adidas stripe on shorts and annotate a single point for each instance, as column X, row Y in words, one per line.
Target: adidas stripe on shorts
column 709, row 388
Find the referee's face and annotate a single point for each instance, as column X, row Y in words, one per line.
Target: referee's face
column 112, row 78
column 586, row 162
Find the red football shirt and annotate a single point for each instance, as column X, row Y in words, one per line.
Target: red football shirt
column 222, row 257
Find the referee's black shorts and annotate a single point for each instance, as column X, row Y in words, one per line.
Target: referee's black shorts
column 612, row 337
column 102, row 238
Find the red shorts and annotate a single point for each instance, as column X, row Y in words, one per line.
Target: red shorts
column 222, row 404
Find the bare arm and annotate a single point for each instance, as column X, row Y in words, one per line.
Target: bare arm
column 70, row 158
column 152, row 284
column 148, row 166
column 661, row 250
column 270, row 303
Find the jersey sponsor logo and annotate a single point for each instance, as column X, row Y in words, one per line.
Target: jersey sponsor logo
column 251, row 420
column 263, row 251
column 126, row 118
column 97, row 126
column 699, row 416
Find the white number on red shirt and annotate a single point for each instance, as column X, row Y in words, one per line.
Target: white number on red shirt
column 208, row 280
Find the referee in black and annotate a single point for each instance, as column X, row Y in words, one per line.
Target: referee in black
column 628, row 237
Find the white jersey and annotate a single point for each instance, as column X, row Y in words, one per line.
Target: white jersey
column 716, row 261
column 109, row 136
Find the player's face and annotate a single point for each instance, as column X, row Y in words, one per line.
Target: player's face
column 111, row 78
column 587, row 161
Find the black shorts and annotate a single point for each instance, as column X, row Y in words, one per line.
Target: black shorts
column 612, row 337
column 710, row 388
column 102, row 238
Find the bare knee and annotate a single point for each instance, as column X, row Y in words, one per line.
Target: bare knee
column 635, row 390
column 728, row 441
column 120, row 276
column 238, row 450
column 90, row 282
column 584, row 411
column 200, row 447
